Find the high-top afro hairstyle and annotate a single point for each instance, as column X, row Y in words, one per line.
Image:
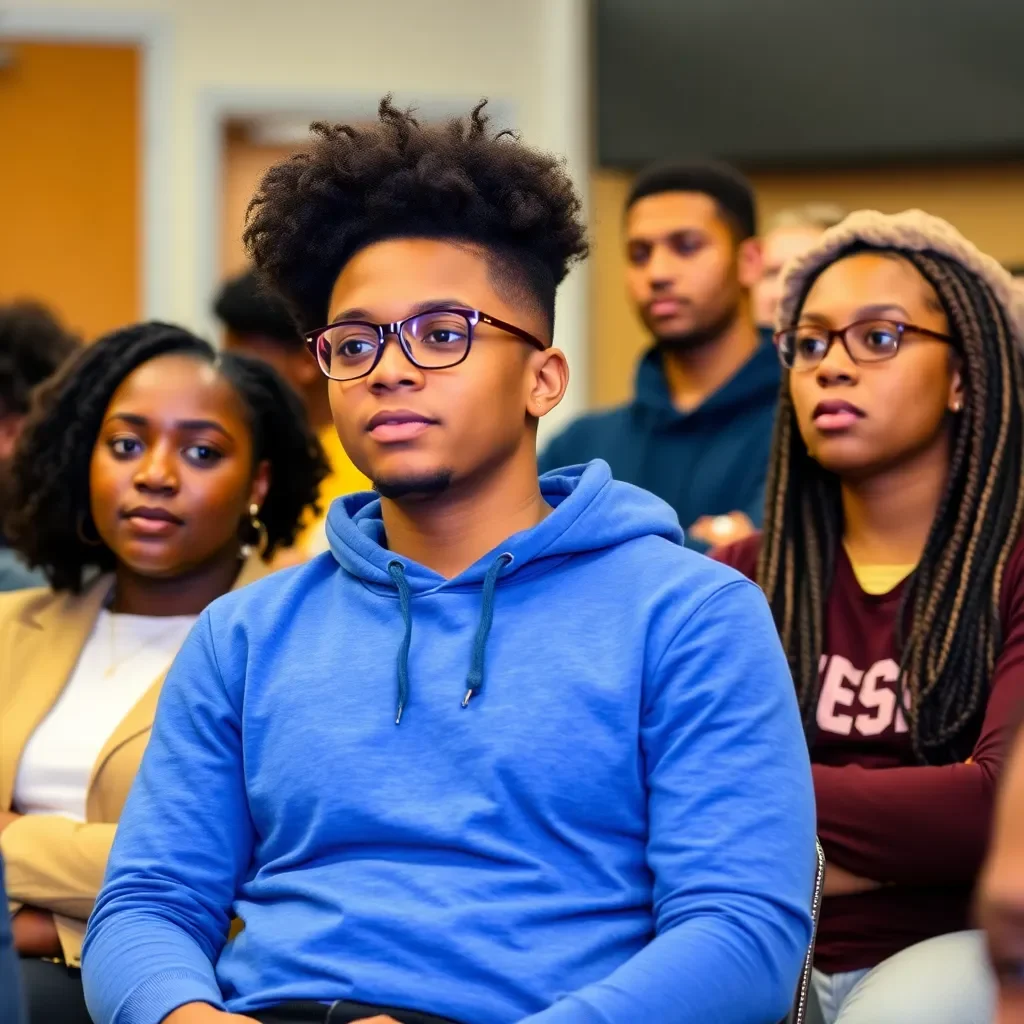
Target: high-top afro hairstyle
column 398, row 178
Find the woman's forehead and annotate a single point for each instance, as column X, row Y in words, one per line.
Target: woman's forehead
column 871, row 279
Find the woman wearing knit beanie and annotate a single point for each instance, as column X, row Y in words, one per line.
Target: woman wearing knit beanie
column 892, row 561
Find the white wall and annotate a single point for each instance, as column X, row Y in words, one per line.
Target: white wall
column 528, row 54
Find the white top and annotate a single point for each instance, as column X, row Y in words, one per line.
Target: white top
column 123, row 657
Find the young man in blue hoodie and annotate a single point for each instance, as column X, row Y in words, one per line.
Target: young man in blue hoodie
column 699, row 430
column 508, row 752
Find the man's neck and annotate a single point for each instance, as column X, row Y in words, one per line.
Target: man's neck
column 696, row 374
column 452, row 531
column 887, row 519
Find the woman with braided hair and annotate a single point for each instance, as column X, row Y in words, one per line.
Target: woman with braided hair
column 153, row 476
column 892, row 562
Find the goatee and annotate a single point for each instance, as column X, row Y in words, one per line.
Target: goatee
column 698, row 337
column 427, row 485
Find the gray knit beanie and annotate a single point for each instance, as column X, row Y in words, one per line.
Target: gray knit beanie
column 911, row 231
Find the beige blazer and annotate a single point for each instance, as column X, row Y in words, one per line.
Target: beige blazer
column 50, row 861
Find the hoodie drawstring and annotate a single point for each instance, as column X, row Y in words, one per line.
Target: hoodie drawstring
column 475, row 679
column 397, row 573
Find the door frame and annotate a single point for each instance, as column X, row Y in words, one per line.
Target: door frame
column 217, row 106
column 151, row 33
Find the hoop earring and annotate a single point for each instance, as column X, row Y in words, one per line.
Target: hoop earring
column 80, row 531
column 258, row 533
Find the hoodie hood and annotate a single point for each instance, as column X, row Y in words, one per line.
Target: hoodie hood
column 755, row 382
column 591, row 511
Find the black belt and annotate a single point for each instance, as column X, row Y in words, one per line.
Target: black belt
column 341, row 1012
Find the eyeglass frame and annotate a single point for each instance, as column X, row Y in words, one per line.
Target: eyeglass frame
column 902, row 328
column 474, row 317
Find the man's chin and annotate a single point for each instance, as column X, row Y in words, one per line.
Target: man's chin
column 413, row 486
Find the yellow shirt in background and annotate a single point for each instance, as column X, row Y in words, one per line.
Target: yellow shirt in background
column 880, row 579
column 343, row 479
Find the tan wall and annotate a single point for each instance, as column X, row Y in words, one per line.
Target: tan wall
column 69, row 181
column 986, row 202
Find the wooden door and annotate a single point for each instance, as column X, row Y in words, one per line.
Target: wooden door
column 70, row 171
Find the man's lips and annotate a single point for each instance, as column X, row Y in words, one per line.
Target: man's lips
column 398, row 425
column 836, row 415
column 660, row 309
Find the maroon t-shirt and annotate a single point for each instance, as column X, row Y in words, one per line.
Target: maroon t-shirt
column 881, row 814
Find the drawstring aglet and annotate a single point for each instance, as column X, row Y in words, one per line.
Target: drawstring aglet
column 467, row 698
column 398, row 717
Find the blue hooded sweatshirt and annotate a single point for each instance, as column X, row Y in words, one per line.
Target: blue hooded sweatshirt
column 709, row 461
column 597, row 807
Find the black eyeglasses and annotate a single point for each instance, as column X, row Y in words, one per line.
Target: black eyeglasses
column 804, row 347
column 435, row 340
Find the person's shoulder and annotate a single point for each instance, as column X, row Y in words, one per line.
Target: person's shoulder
column 591, row 426
column 276, row 593
column 670, row 573
column 26, row 604
column 742, row 555
column 43, row 604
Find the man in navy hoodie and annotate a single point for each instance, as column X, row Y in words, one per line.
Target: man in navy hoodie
column 507, row 752
column 699, row 430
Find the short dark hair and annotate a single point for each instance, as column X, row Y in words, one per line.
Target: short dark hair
column 729, row 189
column 357, row 185
column 33, row 344
column 247, row 307
column 50, row 474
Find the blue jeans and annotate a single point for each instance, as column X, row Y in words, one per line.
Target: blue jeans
column 945, row 980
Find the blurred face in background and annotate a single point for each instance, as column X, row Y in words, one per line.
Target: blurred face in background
column 688, row 275
column 293, row 362
column 779, row 247
column 860, row 420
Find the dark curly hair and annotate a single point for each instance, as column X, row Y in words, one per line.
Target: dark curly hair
column 50, row 485
column 33, row 344
column 244, row 305
column 357, row 185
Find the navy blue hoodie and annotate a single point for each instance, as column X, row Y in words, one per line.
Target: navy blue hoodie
column 710, row 461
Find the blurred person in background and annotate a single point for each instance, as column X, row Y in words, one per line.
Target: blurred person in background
column 33, row 344
column 11, row 1009
column 1000, row 903
column 153, row 476
column 697, row 432
column 379, row 737
column 257, row 323
column 892, row 559
column 790, row 233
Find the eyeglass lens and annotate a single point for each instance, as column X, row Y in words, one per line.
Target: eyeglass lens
column 433, row 340
column 806, row 345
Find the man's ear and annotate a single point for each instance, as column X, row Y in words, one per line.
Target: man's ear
column 750, row 262
column 546, row 382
